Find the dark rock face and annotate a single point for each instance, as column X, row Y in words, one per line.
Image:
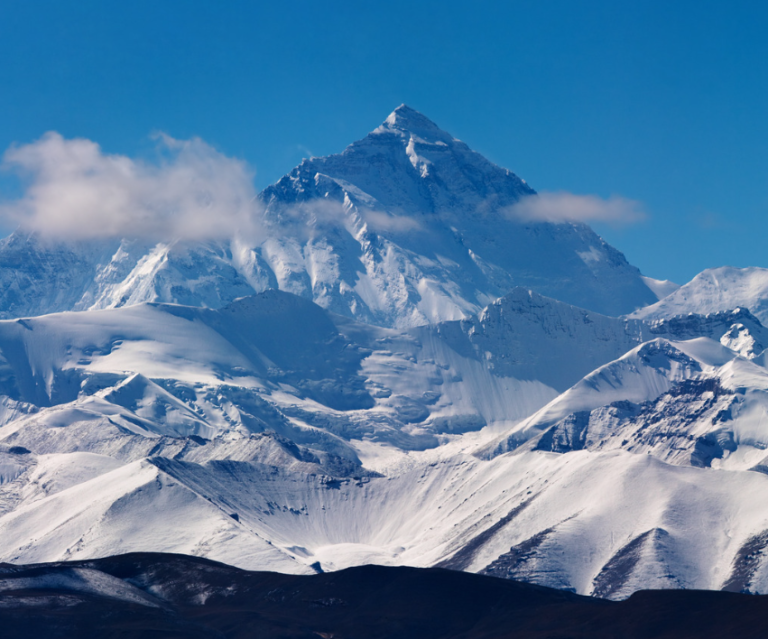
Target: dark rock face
column 160, row 595
column 746, row 564
column 661, row 426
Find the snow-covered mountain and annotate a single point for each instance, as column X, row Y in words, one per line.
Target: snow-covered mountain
column 693, row 402
column 399, row 371
column 405, row 227
column 430, row 223
column 296, row 439
column 716, row 289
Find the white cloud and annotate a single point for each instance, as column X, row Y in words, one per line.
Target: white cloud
column 76, row 191
column 387, row 222
column 568, row 207
column 305, row 218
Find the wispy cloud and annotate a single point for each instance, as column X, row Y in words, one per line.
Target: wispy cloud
column 73, row 190
column 305, row 219
column 568, row 207
column 386, row 222
column 306, row 152
column 708, row 220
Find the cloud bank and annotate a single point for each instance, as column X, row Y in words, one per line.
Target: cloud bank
column 568, row 207
column 76, row 191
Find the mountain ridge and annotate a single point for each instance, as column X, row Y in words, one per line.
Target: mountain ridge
column 713, row 290
column 295, row 438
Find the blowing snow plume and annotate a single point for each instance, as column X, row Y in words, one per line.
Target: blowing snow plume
column 568, row 207
column 73, row 190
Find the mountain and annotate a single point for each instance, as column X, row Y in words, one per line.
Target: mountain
column 395, row 374
column 299, row 440
column 142, row 595
column 717, row 289
column 689, row 403
column 529, row 336
column 272, row 363
column 432, row 225
column 278, row 363
column 606, row 523
column 405, row 227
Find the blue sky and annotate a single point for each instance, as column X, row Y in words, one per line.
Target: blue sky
column 660, row 102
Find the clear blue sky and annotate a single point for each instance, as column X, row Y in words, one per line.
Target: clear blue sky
column 662, row 102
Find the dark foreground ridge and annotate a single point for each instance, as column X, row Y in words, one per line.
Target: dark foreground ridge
column 152, row 595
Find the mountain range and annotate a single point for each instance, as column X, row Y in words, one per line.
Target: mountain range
column 401, row 371
column 405, row 227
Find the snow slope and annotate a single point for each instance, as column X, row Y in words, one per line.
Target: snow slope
column 605, row 523
column 273, row 363
column 278, row 363
column 716, row 289
column 660, row 288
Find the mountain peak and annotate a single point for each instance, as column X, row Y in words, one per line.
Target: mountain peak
column 406, row 121
column 405, row 117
